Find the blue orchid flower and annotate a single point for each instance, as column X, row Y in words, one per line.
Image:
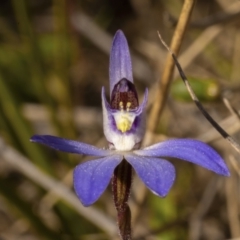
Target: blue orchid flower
column 124, row 128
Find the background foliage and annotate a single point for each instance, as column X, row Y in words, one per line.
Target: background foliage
column 53, row 62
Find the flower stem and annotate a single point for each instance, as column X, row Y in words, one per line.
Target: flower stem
column 121, row 185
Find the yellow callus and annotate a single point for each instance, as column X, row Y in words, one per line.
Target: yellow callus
column 124, row 124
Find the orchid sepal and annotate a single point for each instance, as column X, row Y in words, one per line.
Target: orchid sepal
column 69, row 146
column 157, row 174
column 120, row 60
column 91, row 178
column 189, row 150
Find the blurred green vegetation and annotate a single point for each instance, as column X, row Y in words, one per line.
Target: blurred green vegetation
column 206, row 89
column 45, row 61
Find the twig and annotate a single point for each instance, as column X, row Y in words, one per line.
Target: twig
column 218, row 18
column 187, row 57
column 224, row 134
column 211, row 135
column 231, row 109
column 164, row 84
column 205, row 38
column 23, row 165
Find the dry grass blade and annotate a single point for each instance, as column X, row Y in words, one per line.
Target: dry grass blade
column 224, row 134
column 164, row 84
column 217, row 18
column 207, row 36
column 211, row 135
column 231, row 109
column 23, row 165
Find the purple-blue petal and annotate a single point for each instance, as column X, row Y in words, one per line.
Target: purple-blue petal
column 143, row 105
column 189, row 150
column 91, row 178
column 70, row 146
column 120, row 60
column 157, row 174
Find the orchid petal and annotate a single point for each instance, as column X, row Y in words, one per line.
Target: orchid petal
column 120, row 60
column 70, row 146
column 108, row 122
column 91, row 178
column 189, row 150
column 157, row 174
column 143, row 105
column 105, row 103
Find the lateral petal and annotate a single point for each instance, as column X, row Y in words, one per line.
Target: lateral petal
column 143, row 105
column 91, row 178
column 157, row 174
column 70, row 146
column 189, row 150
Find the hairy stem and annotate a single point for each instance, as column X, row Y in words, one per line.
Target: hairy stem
column 121, row 184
